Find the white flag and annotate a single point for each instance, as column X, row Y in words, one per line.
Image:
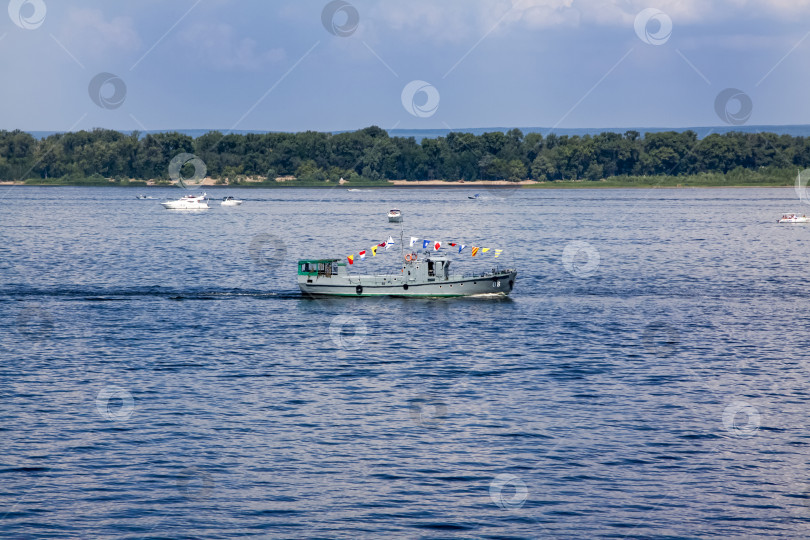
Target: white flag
column 389, row 242
column 413, row 239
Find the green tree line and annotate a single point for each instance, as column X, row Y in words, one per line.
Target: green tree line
column 371, row 154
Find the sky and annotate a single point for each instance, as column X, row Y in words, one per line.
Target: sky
column 296, row 65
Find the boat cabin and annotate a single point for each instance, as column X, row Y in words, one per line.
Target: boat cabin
column 427, row 267
column 319, row 267
column 437, row 268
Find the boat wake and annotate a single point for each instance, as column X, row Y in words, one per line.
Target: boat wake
column 112, row 295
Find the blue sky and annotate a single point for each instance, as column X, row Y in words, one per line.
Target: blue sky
column 275, row 65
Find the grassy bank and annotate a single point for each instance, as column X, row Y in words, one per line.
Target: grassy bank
column 735, row 178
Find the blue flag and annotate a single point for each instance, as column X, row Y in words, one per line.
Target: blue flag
column 425, row 244
column 462, row 246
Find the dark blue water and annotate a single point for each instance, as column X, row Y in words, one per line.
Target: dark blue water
column 161, row 377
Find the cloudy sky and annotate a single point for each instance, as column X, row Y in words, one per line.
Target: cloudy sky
column 295, row 65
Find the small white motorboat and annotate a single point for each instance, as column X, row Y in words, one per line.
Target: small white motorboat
column 394, row 216
column 230, row 201
column 793, row 218
column 188, row 202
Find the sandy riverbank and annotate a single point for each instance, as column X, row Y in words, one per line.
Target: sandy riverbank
column 459, row 183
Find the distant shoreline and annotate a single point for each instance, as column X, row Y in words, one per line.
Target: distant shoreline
column 673, row 183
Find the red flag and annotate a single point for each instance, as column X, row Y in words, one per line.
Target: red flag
column 351, row 259
column 436, row 246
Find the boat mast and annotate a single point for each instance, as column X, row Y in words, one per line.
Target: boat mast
column 401, row 242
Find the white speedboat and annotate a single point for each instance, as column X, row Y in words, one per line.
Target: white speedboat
column 230, row 201
column 793, row 218
column 188, row 202
column 394, row 216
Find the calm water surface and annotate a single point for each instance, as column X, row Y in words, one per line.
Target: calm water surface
column 161, row 377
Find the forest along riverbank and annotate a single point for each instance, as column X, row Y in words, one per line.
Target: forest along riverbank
column 370, row 155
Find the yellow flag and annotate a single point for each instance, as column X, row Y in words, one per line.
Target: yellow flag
column 374, row 250
column 484, row 250
column 498, row 252
column 474, row 251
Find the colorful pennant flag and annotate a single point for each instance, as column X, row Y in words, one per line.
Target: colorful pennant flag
column 436, row 245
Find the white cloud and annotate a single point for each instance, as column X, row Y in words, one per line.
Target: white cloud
column 451, row 19
column 87, row 32
column 222, row 49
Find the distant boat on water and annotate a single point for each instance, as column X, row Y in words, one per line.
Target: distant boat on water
column 473, row 196
column 230, row 201
column 793, row 218
column 188, row 202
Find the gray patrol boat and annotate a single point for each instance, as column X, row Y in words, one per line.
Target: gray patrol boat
column 421, row 275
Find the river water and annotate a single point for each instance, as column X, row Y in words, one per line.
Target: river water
column 162, row 377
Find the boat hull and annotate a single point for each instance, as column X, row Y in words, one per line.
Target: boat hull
column 169, row 206
column 493, row 284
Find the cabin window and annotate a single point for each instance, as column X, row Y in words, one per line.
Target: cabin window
column 431, row 271
column 320, row 267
